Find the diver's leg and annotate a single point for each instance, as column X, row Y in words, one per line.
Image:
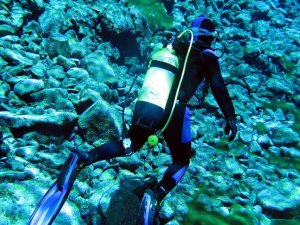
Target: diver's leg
column 137, row 136
column 53, row 200
column 178, row 138
column 170, row 179
column 175, row 171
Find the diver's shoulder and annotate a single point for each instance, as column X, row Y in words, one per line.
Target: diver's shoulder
column 210, row 53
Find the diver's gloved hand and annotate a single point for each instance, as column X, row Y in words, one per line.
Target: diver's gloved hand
column 231, row 126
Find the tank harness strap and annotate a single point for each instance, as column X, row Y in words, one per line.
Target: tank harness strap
column 163, row 65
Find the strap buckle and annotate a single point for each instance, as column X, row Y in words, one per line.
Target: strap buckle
column 127, row 145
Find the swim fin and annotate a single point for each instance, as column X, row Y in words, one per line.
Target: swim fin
column 53, row 200
column 147, row 209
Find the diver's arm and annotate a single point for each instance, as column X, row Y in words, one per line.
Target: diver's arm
column 221, row 95
column 219, row 89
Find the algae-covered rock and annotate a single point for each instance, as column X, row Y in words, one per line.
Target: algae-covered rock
column 15, row 57
column 53, row 19
column 279, row 87
column 54, row 126
column 53, row 98
column 100, row 121
column 98, row 67
column 57, row 44
column 118, row 206
column 281, row 199
column 28, row 86
column 6, row 29
column 282, row 136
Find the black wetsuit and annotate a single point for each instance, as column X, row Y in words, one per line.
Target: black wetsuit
column 178, row 133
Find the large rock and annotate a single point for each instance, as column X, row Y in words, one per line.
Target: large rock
column 15, row 57
column 54, row 19
column 100, row 121
column 98, row 67
column 284, row 136
column 21, row 197
column 53, row 98
column 127, row 21
column 280, row 87
column 57, row 44
column 56, row 124
column 282, row 199
column 113, row 203
column 17, row 121
column 28, row 86
column 118, row 206
column 6, row 29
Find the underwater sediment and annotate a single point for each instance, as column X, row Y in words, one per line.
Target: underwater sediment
column 66, row 67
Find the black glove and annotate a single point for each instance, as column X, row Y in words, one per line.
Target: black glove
column 231, row 126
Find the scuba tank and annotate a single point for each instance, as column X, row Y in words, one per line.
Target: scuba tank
column 159, row 79
column 156, row 89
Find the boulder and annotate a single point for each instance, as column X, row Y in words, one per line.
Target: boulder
column 28, row 86
column 100, row 121
column 43, row 128
column 281, row 199
column 98, row 67
column 57, row 44
column 284, row 136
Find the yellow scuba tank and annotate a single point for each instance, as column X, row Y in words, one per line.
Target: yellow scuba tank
column 159, row 78
column 156, row 90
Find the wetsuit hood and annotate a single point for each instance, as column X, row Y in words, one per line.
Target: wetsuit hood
column 204, row 31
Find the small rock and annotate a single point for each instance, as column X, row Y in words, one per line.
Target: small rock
column 100, row 121
column 261, row 28
column 28, row 86
column 78, row 73
column 130, row 163
column 236, row 49
column 55, row 98
column 26, row 151
column 281, row 199
column 264, row 141
column 57, row 44
column 283, row 136
column 15, row 57
column 6, row 29
column 279, row 87
column 36, row 5
column 98, row 67
column 234, row 168
column 57, row 72
column 38, row 70
column 65, row 62
column 246, row 136
column 293, row 153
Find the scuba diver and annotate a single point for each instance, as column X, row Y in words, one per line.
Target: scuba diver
column 161, row 109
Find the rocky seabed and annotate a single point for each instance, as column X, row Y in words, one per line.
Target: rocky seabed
column 66, row 67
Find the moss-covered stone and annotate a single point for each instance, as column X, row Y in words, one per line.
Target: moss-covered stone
column 154, row 11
